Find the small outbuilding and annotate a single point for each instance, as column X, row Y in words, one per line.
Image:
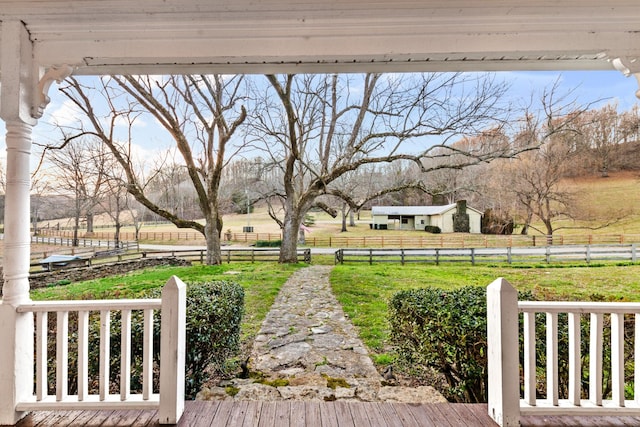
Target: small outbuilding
column 456, row 217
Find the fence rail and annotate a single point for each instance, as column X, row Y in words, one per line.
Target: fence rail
column 509, row 255
column 197, row 255
column 230, row 255
column 384, row 240
column 584, row 385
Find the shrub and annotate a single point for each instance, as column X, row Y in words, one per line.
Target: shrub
column 214, row 315
column 432, row 229
column 446, row 331
column 268, row 243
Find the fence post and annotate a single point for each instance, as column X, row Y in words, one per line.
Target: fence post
column 633, row 252
column 473, row 256
column 172, row 351
column 502, row 352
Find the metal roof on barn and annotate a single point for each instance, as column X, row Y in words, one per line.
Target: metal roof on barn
column 414, row 210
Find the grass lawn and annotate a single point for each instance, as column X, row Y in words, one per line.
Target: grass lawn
column 364, row 290
column 261, row 283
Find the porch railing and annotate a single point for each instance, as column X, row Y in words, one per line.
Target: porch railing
column 509, row 398
column 170, row 399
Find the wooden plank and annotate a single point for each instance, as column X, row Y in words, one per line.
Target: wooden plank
column 442, row 410
column 297, row 414
column 282, row 415
column 367, row 413
column 124, row 417
column 389, row 415
column 147, row 418
column 199, row 413
column 67, row 418
column 425, row 414
column 252, row 416
column 343, row 414
column 312, row 414
column 268, row 415
column 93, row 418
column 328, row 415
column 221, row 416
column 238, row 411
column 472, row 414
column 405, row 415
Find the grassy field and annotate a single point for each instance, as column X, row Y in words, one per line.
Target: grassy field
column 602, row 199
column 364, row 291
column 261, row 283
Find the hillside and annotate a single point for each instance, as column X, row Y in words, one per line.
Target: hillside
column 602, row 198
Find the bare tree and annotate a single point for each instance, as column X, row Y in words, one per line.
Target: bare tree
column 604, row 132
column 317, row 128
column 200, row 113
column 536, row 178
column 80, row 173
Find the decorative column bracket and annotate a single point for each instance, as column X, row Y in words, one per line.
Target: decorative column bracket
column 628, row 66
column 55, row 73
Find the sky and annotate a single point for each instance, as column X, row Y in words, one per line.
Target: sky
column 598, row 87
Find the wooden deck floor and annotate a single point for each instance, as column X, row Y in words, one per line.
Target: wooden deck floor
column 279, row 414
column 311, row 414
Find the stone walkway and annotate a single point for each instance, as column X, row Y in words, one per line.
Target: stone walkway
column 307, row 349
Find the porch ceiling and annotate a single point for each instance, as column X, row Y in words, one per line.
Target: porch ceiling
column 249, row 36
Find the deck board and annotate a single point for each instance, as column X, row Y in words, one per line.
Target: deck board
column 267, row 415
column 312, row 414
column 282, row 414
column 298, row 415
column 321, row 414
column 390, row 415
column 328, row 415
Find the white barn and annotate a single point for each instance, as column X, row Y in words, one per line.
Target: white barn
column 418, row 217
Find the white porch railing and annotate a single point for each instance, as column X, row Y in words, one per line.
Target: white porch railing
column 170, row 399
column 507, row 403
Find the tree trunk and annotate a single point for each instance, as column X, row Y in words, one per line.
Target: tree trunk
column 116, row 235
column 89, row 222
column 76, row 226
column 290, row 228
column 212, row 237
column 352, row 218
column 343, row 214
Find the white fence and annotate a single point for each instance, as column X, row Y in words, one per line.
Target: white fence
column 507, row 404
column 170, row 399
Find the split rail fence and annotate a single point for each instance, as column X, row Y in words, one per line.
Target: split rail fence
column 509, row 255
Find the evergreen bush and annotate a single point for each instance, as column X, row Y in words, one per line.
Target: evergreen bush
column 432, row 229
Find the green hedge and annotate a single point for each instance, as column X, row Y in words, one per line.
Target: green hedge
column 446, row 331
column 432, row 229
column 268, row 243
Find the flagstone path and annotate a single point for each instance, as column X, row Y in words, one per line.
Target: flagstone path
column 307, row 349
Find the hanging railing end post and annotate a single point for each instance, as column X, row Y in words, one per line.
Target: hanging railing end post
column 172, row 355
column 502, row 351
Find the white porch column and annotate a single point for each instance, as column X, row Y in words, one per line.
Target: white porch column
column 16, row 329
